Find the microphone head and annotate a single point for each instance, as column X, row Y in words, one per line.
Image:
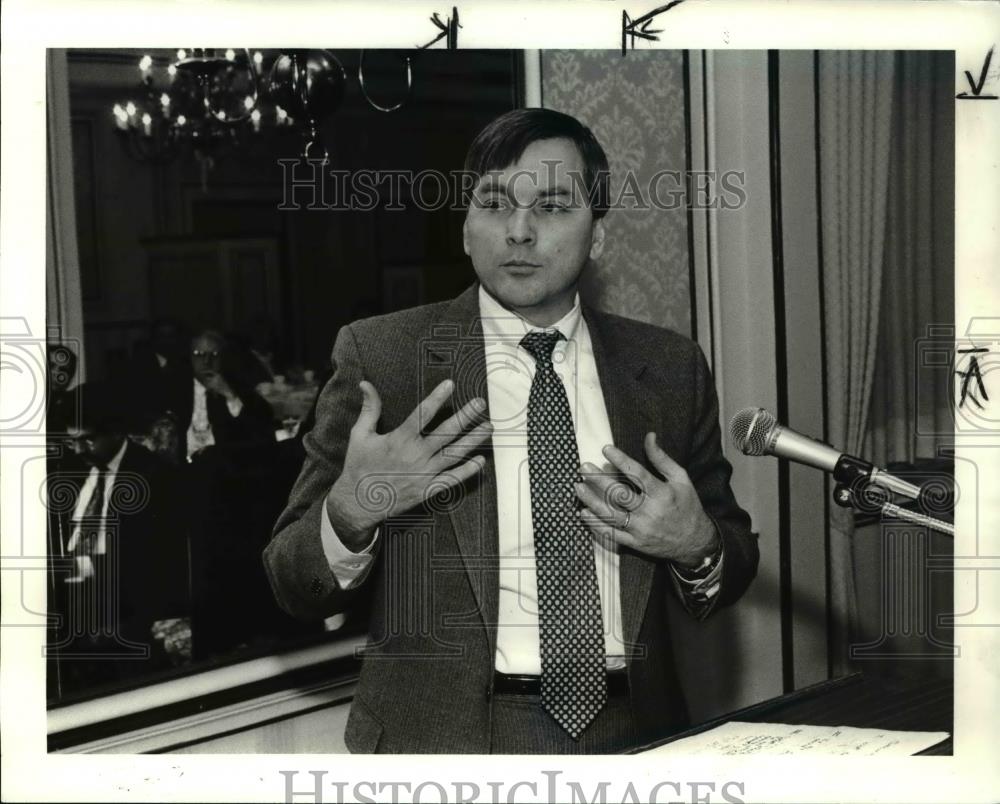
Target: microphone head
column 751, row 430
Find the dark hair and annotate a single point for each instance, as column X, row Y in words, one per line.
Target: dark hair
column 504, row 141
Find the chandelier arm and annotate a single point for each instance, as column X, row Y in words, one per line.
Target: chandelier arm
column 367, row 97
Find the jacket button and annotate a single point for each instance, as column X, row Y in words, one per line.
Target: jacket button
column 316, row 587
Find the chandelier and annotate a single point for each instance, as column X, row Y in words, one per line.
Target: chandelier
column 211, row 102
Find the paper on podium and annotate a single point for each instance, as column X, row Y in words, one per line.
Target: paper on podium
column 775, row 739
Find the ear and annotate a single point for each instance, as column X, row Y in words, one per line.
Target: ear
column 465, row 236
column 597, row 239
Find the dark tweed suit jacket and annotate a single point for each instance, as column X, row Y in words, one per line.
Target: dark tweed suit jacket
column 426, row 677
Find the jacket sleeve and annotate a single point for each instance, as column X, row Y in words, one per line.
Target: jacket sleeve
column 710, row 472
column 295, row 562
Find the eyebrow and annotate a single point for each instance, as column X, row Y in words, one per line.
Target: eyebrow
column 501, row 189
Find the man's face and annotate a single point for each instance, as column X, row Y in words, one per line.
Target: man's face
column 206, row 353
column 530, row 231
column 94, row 447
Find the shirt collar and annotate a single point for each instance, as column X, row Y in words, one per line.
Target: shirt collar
column 503, row 325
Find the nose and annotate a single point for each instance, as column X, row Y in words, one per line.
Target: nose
column 520, row 227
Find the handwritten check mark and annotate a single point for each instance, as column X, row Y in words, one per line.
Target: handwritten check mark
column 977, row 86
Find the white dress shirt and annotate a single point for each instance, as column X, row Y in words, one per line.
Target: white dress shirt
column 199, row 434
column 510, row 371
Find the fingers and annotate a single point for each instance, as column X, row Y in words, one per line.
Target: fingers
column 429, row 407
column 667, row 466
column 616, row 494
column 602, row 530
column 371, row 407
column 598, row 502
column 454, row 425
column 458, row 474
column 451, row 453
column 629, row 467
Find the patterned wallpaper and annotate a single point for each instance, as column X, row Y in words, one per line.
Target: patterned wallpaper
column 635, row 107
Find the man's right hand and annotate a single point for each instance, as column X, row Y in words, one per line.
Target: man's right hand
column 406, row 460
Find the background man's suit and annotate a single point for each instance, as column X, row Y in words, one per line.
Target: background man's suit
column 425, row 683
column 146, row 562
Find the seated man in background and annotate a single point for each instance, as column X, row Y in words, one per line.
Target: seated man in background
column 225, row 408
column 236, row 488
column 119, row 549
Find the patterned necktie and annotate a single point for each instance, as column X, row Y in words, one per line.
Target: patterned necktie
column 570, row 624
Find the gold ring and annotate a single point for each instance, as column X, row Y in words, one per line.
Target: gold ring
column 628, row 516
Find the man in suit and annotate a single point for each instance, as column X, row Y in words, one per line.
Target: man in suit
column 191, row 393
column 224, row 408
column 120, row 546
column 524, row 522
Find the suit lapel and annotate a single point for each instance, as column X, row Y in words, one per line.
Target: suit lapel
column 631, row 417
column 455, row 350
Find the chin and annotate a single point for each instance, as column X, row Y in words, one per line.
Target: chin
column 518, row 292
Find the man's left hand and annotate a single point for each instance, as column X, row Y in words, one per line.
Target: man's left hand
column 666, row 520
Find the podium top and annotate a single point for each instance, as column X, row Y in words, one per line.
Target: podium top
column 853, row 700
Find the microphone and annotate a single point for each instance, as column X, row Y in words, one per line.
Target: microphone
column 756, row 431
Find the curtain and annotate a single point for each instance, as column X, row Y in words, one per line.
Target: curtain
column 855, row 126
column 64, row 306
column 918, row 269
column 632, row 107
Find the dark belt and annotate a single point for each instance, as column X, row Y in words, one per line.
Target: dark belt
column 504, row 684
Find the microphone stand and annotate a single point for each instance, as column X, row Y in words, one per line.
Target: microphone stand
column 863, row 489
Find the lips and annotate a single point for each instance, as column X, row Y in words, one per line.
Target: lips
column 520, row 264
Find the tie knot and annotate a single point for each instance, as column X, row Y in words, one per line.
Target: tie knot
column 540, row 343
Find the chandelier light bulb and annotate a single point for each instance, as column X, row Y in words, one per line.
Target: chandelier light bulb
column 223, row 94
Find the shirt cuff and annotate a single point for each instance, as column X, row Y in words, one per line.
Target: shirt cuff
column 349, row 568
column 235, row 405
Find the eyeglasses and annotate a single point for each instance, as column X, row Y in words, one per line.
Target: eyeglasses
column 90, row 438
column 200, row 353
